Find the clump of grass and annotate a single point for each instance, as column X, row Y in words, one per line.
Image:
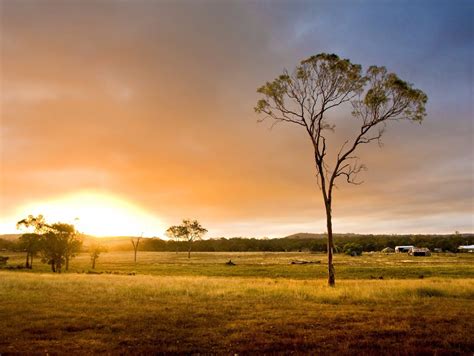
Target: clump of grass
column 429, row 292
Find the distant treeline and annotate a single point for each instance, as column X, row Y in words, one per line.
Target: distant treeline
column 8, row 245
column 298, row 242
column 306, row 242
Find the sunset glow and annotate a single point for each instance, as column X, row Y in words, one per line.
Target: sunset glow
column 96, row 214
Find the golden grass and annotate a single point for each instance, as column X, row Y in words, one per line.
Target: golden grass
column 79, row 313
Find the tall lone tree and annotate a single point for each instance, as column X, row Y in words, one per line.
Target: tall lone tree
column 324, row 82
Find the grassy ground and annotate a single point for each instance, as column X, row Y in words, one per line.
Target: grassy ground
column 262, row 304
column 272, row 265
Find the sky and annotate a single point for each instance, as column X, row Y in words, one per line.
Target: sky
column 125, row 117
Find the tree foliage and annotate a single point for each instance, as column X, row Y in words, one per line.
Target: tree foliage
column 38, row 223
column 31, row 244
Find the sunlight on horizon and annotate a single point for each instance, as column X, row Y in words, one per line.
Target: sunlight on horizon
column 94, row 213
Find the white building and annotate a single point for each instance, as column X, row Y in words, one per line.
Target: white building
column 466, row 248
column 400, row 249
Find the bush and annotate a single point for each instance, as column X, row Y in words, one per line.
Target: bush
column 352, row 249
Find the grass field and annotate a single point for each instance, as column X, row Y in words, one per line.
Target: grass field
column 262, row 304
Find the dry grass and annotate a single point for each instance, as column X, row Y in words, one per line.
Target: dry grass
column 78, row 313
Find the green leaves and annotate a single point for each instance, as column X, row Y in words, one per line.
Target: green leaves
column 275, row 90
column 262, row 105
column 375, row 97
column 331, row 58
column 390, row 98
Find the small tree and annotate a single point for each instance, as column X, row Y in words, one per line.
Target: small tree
column 189, row 231
column 72, row 240
column 135, row 243
column 31, row 244
column 352, row 249
column 95, row 250
column 60, row 243
column 324, row 82
column 175, row 233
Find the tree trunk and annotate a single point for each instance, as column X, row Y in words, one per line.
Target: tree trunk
column 331, row 271
column 189, row 251
column 135, row 248
column 31, row 261
column 27, row 265
column 67, row 263
column 53, row 267
column 93, row 263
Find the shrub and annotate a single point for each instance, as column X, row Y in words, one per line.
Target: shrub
column 352, row 249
